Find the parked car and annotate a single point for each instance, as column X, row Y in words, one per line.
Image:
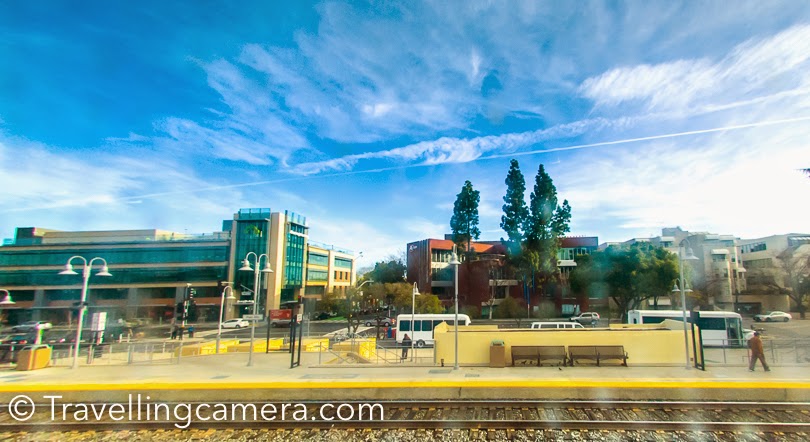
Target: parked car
column 19, row 339
column 586, row 318
column 31, row 326
column 384, row 322
column 235, row 323
column 773, row 317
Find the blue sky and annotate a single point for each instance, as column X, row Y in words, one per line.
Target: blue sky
column 368, row 117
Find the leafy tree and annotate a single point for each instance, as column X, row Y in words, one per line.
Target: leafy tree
column 428, row 303
column 391, row 270
column 464, row 223
column 515, row 212
column 510, row 308
column 472, row 311
column 630, row 275
column 546, row 224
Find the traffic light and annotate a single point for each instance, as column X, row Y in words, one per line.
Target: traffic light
column 191, row 293
column 179, row 310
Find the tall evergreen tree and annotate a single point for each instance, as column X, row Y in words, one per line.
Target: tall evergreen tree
column 546, row 224
column 464, row 223
column 515, row 212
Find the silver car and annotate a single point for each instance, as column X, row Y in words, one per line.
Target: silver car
column 773, row 317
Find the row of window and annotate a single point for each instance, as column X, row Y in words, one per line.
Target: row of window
column 119, row 276
column 9, row 257
column 343, row 276
column 758, row 263
column 755, row 247
column 571, row 253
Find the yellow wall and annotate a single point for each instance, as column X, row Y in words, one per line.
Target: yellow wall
column 645, row 345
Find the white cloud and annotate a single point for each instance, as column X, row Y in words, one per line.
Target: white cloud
column 760, row 66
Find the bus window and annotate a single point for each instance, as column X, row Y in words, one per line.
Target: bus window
column 404, row 326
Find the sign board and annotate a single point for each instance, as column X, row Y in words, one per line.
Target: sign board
column 99, row 322
column 253, row 317
column 299, row 317
column 281, row 314
column 244, row 302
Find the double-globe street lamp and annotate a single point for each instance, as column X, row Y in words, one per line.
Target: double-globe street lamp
column 455, row 263
column 88, row 266
column 681, row 285
column 246, row 268
column 229, row 290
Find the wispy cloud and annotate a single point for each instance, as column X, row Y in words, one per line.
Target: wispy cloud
column 760, row 66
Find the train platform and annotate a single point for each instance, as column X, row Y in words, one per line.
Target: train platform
column 227, row 377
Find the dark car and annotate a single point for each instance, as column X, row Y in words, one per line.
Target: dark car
column 19, row 339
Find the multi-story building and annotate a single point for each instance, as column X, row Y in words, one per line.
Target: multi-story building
column 769, row 261
column 153, row 270
column 485, row 279
column 329, row 270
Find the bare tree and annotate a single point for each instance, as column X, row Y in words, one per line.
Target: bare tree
column 794, row 266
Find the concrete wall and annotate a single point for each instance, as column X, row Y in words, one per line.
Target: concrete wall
column 646, row 345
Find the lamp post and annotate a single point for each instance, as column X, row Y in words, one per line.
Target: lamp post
column 88, row 266
column 691, row 257
column 413, row 315
column 455, row 263
column 228, row 289
column 7, row 299
column 246, row 268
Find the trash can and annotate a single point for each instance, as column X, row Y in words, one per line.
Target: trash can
column 34, row 357
column 497, row 354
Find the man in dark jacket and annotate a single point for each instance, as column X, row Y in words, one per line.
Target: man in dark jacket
column 755, row 344
column 406, row 344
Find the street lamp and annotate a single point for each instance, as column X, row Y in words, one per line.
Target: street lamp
column 246, row 268
column 413, row 315
column 88, row 266
column 455, row 263
column 228, row 289
column 7, row 299
column 691, row 257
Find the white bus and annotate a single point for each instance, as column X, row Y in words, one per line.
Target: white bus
column 422, row 333
column 719, row 329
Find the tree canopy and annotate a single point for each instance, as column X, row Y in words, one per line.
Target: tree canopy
column 630, row 275
column 464, row 222
column 515, row 212
column 387, row 272
column 533, row 232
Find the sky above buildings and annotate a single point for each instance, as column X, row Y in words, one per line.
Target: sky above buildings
column 367, row 118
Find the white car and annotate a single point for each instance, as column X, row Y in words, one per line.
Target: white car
column 235, row 323
column 586, row 318
column 31, row 326
column 773, row 317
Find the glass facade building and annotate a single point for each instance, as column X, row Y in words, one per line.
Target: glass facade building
column 152, row 269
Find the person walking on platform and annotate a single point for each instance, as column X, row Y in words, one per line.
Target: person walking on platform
column 406, row 344
column 755, row 344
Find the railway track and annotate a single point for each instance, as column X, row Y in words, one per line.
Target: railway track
column 509, row 416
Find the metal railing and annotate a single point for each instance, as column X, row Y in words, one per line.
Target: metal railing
column 777, row 352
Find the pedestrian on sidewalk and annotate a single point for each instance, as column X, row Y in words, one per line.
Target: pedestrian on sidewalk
column 757, row 352
column 174, row 332
column 191, row 331
column 406, row 344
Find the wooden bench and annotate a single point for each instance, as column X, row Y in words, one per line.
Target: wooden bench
column 538, row 353
column 597, row 353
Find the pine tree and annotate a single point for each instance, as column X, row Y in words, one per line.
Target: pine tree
column 515, row 212
column 464, row 223
column 546, row 224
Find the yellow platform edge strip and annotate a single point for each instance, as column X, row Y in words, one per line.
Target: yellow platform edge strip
column 212, row 386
